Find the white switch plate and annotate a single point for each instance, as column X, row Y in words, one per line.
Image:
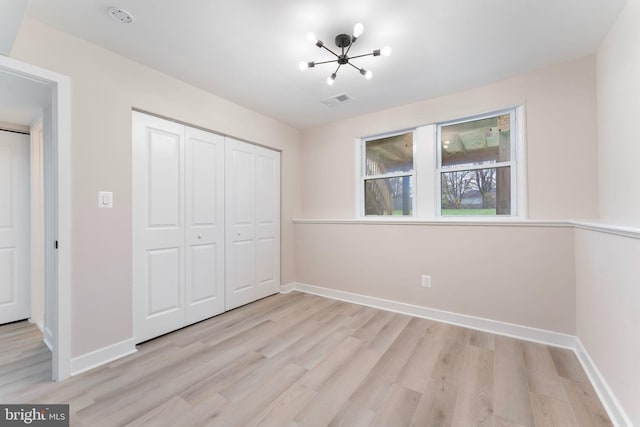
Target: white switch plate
column 426, row 281
column 105, row 199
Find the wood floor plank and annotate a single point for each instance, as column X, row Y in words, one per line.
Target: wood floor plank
column 437, row 404
column 585, row 404
column 548, row 411
column 301, row 360
column 378, row 384
column 542, row 376
column 417, row 371
column 353, row 415
column 335, row 391
column 474, row 403
column 511, row 391
column 281, row 411
column 567, row 365
column 398, row 409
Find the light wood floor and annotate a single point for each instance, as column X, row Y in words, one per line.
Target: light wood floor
column 302, row 360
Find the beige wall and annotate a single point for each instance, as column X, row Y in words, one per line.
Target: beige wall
column 607, row 269
column 513, row 274
column 618, row 68
column 608, row 311
column 561, row 141
column 521, row 275
column 104, row 88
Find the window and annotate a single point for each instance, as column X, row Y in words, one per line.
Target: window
column 468, row 167
column 475, row 166
column 387, row 178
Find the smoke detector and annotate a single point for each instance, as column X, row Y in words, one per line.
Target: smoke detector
column 121, row 15
column 336, row 100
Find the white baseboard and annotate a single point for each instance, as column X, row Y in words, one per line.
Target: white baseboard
column 285, row 289
column 493, row 326
column 611, row 404
column 102, row 356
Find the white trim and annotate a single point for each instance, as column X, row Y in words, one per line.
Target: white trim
column 61, row 139
column 358, row 175
column 617, row 230
column 102, row 356
column 476, row 222
column 289, row 287
column 613, row 407
column 487, row 325
column 522, row 191
column 47, row 342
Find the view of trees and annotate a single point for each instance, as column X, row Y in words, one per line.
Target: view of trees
column 460, row 185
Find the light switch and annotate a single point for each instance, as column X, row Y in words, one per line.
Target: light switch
column 105, row 199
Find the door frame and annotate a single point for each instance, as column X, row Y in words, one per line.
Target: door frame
column 59, row 158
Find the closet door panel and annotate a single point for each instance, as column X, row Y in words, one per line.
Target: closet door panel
column 158, row 226
column 240, row 223
column 205, row 225
column 267, row 221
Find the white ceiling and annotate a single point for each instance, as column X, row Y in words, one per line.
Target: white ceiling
column 248, row 51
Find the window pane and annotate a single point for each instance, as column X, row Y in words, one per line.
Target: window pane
column 476, row 192
column 387, row 155
column 389, row 196
column 476, row 142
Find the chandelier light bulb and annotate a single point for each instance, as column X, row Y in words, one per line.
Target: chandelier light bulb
column 358, row 29
column 312, row 38
column 331, row 79
column 303, row 65
column 385, row 51
column 366, row 73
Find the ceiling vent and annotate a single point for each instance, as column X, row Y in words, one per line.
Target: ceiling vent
column 121, row 15
column 336, row 100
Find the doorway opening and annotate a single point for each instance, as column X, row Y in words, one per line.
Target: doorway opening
column 32, row 90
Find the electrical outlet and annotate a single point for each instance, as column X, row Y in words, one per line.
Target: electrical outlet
column 426, row 281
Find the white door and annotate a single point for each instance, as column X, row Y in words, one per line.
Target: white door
column 158, row 226
column 15, row 218
column 205, row 225
column 253, row 223
column 178, row 225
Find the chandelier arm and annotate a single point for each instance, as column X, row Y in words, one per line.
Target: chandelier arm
column 360, row 56
column 353, row 66
column 349, row 48
column 325, row 62
column 336, row 72
column 332, row 52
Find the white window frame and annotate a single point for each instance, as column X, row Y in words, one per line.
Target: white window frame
column 512, row 163
column 426, row 195
column 361, row 169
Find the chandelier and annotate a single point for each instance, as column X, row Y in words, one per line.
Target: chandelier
column 344, row 42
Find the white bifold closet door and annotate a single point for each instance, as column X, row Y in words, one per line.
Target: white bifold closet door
column 178, row 225
column 252, row 189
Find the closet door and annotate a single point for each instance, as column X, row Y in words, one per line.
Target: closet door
column 158, row 226
column 205, row 225
column 253, row 223
column 15, row 238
